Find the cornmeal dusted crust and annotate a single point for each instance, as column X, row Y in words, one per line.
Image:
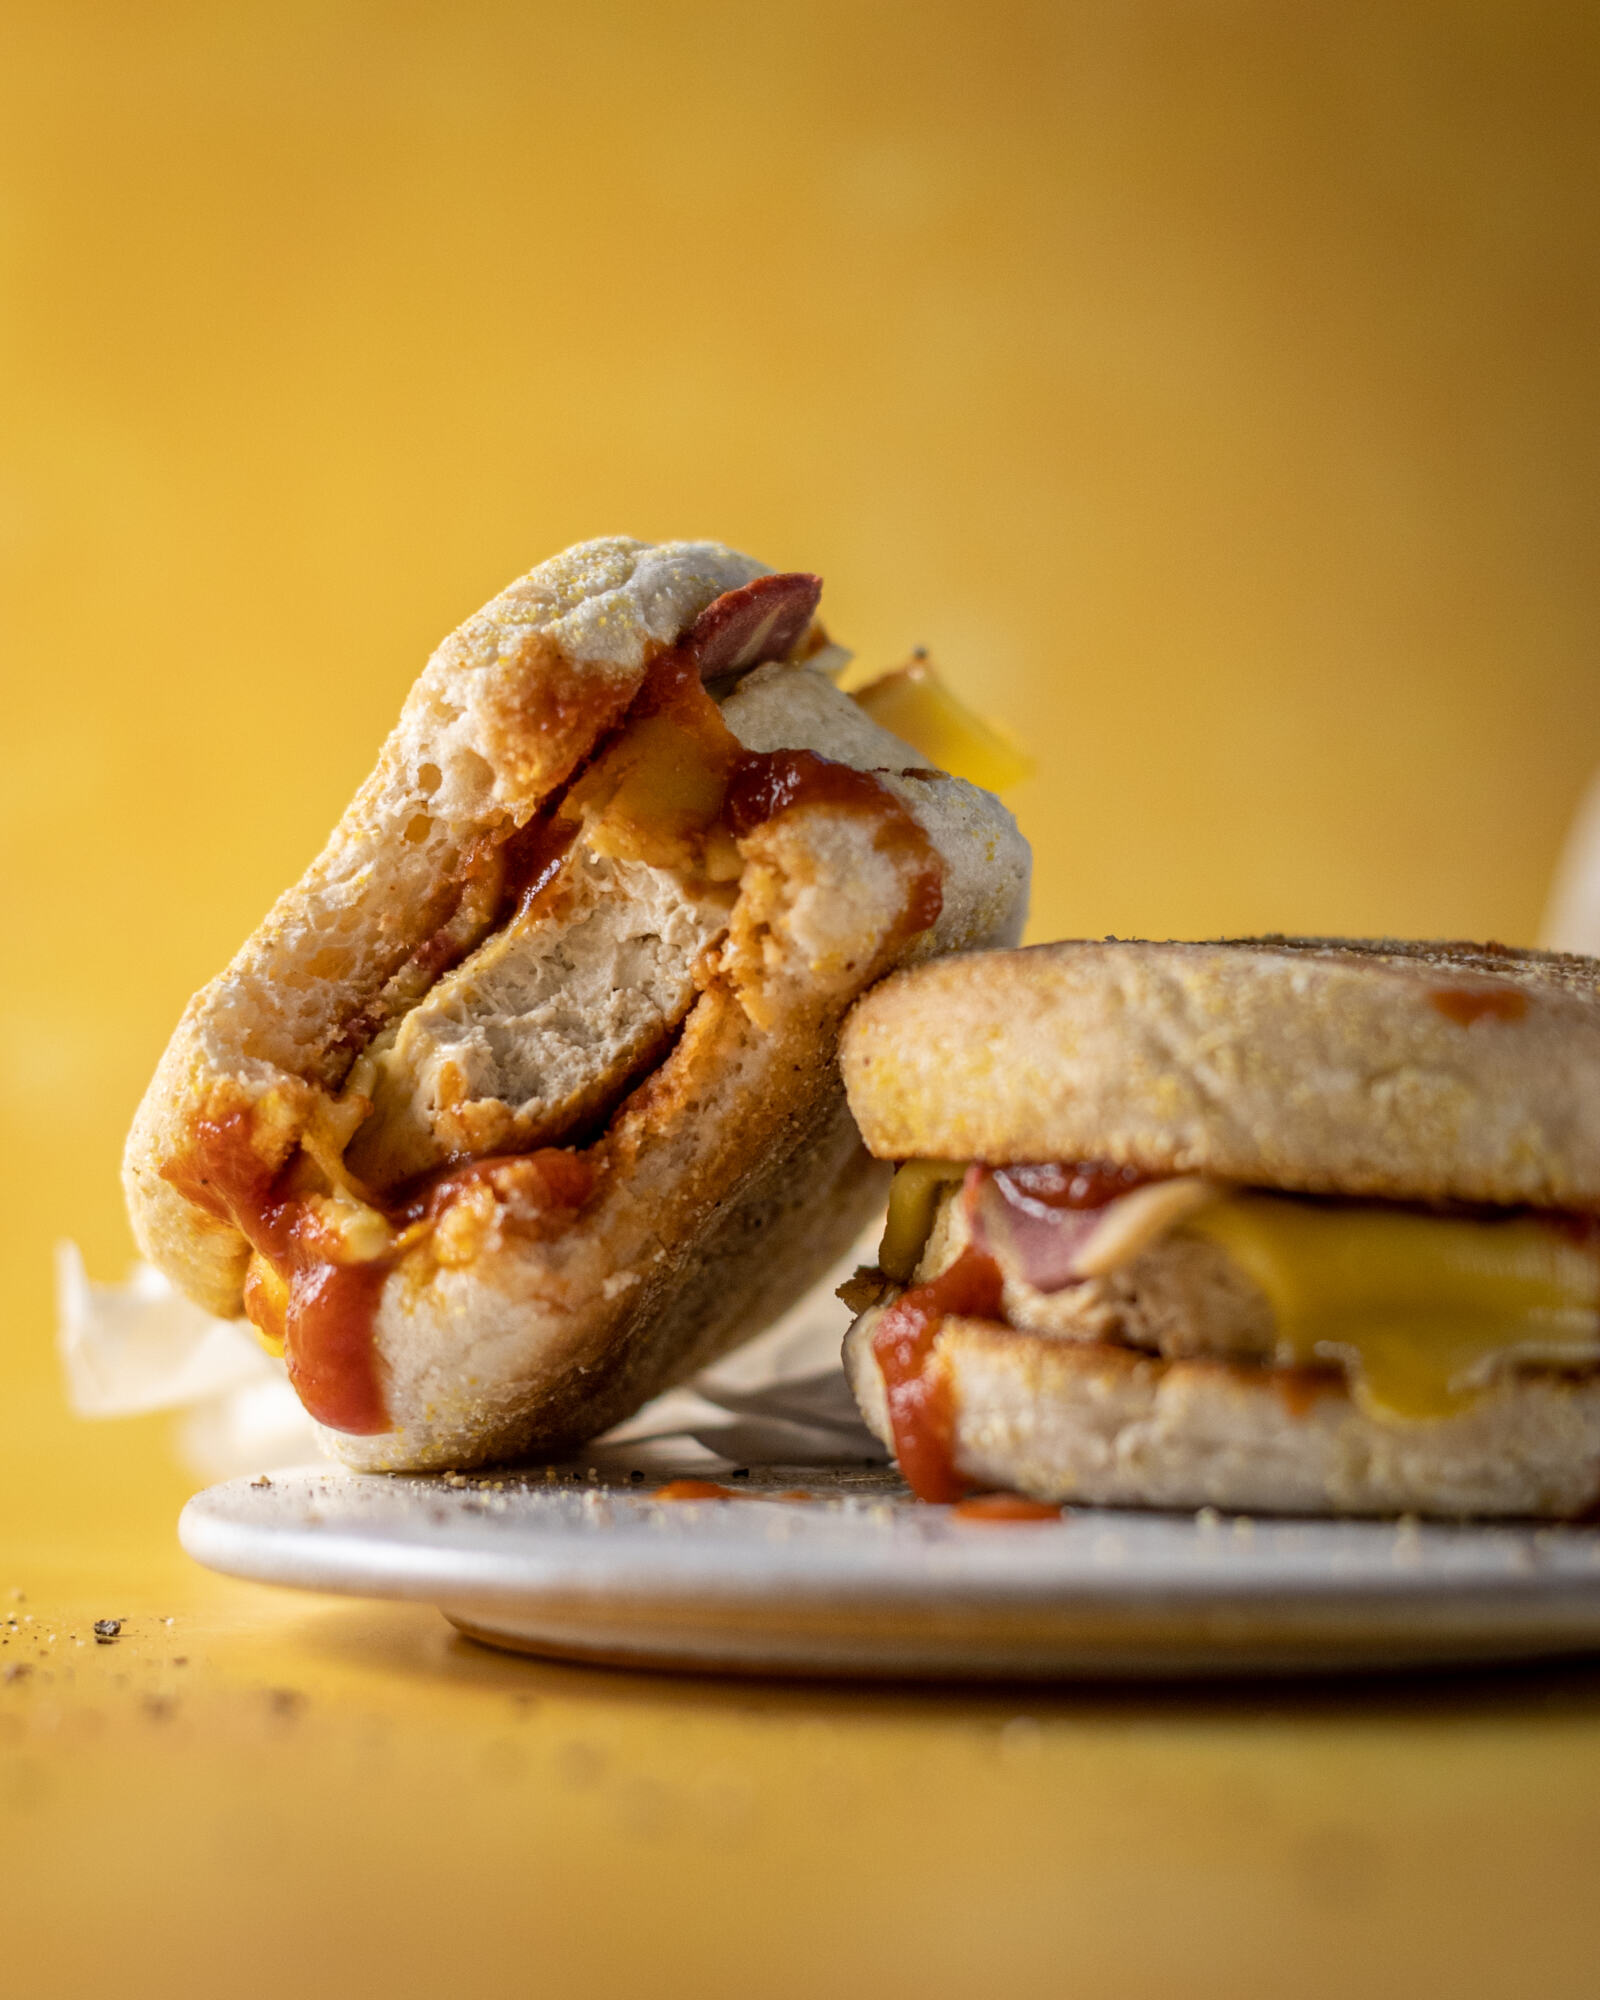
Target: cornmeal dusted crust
column 1352, row 1066
column 732, row 1176
column 1066, row 1420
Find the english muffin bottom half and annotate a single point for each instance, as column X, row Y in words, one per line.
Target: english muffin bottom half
column 523, row 1102
column 1276, row 1224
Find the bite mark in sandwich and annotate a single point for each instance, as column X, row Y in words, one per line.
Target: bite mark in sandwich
column 674, row 790
column 494, row 1128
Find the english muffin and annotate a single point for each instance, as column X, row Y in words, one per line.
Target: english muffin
column 523, row 1102
column 1293, row 1224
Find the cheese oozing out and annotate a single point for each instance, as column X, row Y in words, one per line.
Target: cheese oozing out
column 914, row 704
column 1421, row 1310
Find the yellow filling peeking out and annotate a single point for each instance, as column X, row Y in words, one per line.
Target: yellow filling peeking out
column 1418, row 1308
column 915, row 705
column 913, row 1198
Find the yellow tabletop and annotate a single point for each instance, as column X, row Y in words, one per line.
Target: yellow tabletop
column 1210, row 388
column 251, row 1791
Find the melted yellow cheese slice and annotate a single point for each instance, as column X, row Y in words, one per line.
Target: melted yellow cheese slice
column 1419, row 1309
column 915, row 705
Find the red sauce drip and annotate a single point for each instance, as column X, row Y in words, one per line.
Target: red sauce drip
column 533, row 858
column 328, row 1345
column 226, row 1178
column 920, row 1412
column 555, row 1177
column 1466, row 1004
column 1299, row 1388
column 766, row 783
column 1004, row 1507
column 327, row 1328
column 328, row 1324
column 1076, row 1184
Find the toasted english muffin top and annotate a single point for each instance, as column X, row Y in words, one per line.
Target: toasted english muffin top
column 1384, row 1068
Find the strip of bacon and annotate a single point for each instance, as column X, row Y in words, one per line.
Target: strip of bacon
column 1057, row 1225
column 1036, row 1220
column 765, row 620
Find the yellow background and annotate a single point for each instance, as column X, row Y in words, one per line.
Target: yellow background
column 1211, row 386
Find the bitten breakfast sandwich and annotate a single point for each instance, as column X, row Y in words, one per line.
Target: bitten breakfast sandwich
column 1286, row 1224
column 523, row 1102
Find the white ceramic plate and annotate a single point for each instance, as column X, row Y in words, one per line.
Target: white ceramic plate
column 862, row 1581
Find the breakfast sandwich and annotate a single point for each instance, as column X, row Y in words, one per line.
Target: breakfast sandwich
column 523, row 1102
column 1281, row 1224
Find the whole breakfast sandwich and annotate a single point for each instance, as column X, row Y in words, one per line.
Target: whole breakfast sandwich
column 523, row 1102
column 1279, row 1224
